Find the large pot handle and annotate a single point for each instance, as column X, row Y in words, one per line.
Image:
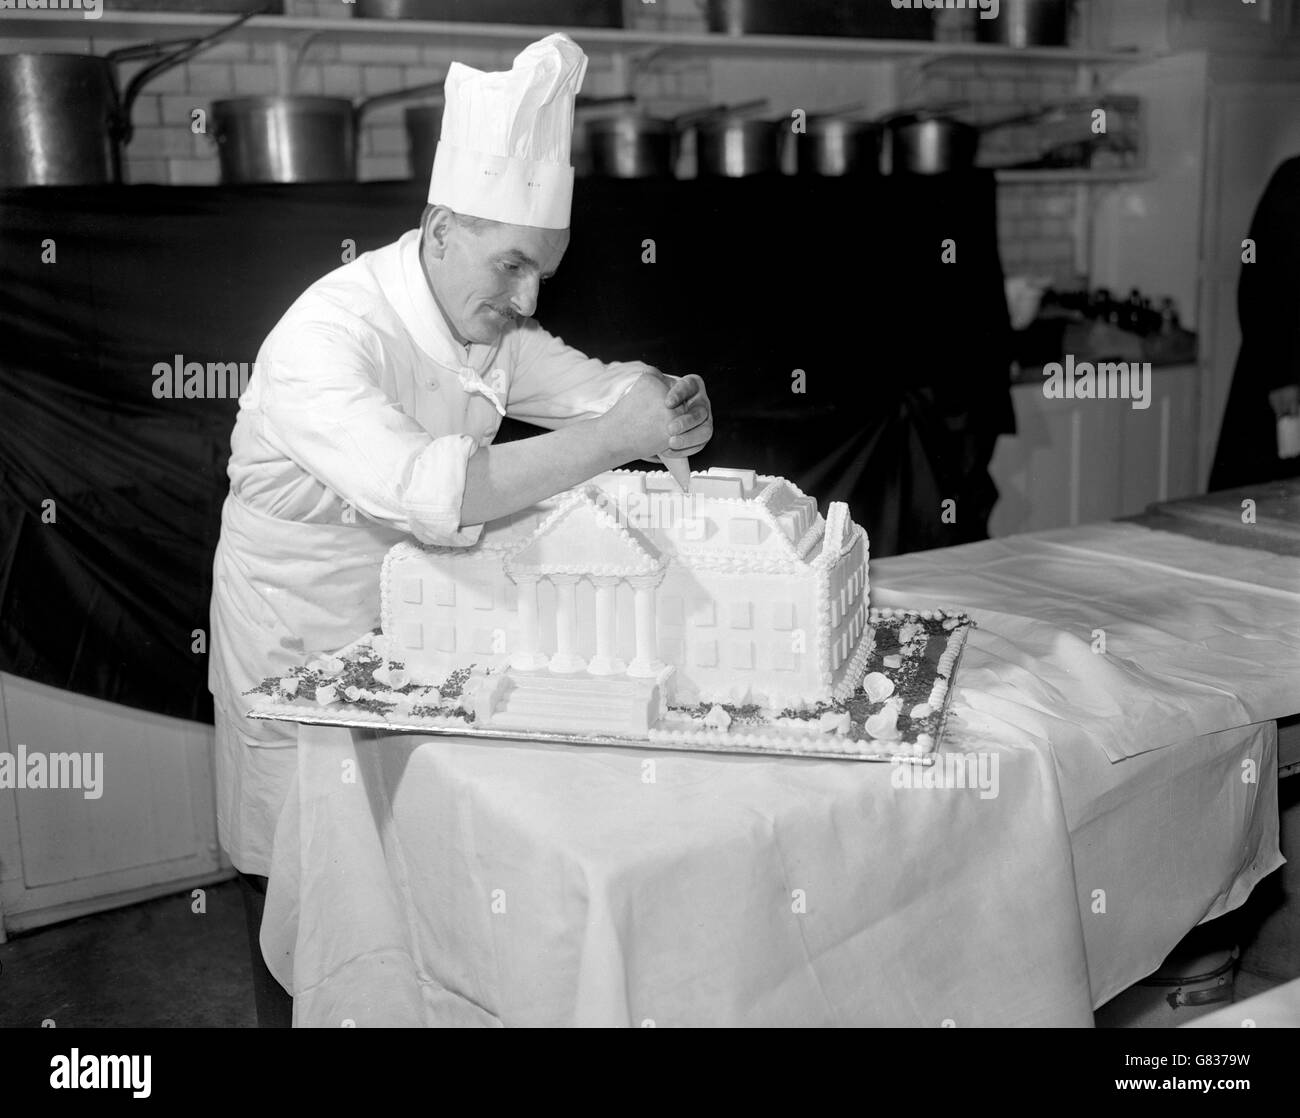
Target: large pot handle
column 187, row 49
column 395, row 97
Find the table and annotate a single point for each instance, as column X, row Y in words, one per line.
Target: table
column 427, row 881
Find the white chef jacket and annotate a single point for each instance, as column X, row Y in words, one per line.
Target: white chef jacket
column 353, row 433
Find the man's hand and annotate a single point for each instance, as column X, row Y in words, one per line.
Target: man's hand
column 639, row 424
column 692, row 425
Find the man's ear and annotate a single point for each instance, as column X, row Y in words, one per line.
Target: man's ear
column 436, row 229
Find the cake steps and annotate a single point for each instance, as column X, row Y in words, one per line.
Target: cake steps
column 577, row 704
column 595, row 687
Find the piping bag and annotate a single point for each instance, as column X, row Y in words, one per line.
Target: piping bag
column 680, row 468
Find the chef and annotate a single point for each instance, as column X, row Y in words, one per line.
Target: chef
column 372, row 409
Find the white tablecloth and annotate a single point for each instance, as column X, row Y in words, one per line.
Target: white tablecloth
column 443, row 881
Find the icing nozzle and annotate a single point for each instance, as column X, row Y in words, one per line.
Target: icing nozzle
column 680, row 468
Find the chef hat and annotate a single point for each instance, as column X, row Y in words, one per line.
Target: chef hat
column 504, row 150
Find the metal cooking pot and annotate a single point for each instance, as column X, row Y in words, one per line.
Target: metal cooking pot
column 631, row 146
column 423, row 127
column 64, row 122
column 927, row 143
column 860, row 18
column 835, row 145
column 733, row 147
column 1027, row 23
column 729, row 143
column 627, row 144
column 547, row 13
column 295, row 138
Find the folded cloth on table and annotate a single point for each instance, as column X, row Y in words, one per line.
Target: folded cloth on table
column 1139, row 639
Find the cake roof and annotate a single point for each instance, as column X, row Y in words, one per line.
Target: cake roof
column 730, row 515
column 584, row 536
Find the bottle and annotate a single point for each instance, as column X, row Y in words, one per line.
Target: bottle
column 1169, row 323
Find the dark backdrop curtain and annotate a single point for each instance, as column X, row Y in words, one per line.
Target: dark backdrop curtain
column 904, row 359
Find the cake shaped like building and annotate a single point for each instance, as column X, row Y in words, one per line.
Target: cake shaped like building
column 613, row 598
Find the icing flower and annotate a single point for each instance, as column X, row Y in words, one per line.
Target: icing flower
column 717, row 718
column 908, row 632
column 877, row 686
column 884, row 725
column 352, row 693
column 894, row 661
column 397, row 678
column 834, row 723
column 326, row 695
column 922, row 710
column 381, row 673
column 289, row 685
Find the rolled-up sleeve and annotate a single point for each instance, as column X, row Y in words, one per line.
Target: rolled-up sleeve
column 552, row 383
column 324, row 410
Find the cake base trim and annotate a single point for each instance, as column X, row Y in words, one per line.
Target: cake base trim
column 896, row 711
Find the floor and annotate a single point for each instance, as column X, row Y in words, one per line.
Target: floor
column 153, row 965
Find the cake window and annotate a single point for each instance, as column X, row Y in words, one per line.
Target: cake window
column 704, row 614
column 742, row 615
column 783, row 616
column 410, row 634
column 444, row 593
column 706, row 654
column 509, row 596
column 671, row 610
column 412, row 590
column 835, row 613
column 444, row 638
column 480, row 594
column 483, row 642
column 744, row 531
column 742, row 655
column 670, row 650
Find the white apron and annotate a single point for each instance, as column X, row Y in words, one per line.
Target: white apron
column 283, row 590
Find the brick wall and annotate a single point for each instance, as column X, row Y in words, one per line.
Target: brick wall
column 1035, row 222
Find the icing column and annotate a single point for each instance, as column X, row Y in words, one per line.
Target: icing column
column 526, row 656
column 605, row 662
column 647, row 662
column 566, row 625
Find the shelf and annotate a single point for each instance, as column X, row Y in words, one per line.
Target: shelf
column 380, row 32
column 1081, row 175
